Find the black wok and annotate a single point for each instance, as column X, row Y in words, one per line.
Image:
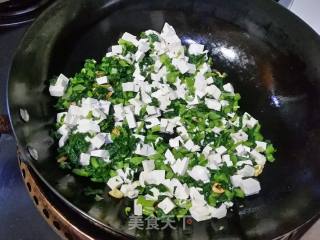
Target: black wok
column 271, row 57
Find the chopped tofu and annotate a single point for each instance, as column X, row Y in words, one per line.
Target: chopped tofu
column 214, row 159
column 148, row 165
column 196, row 49
column 98, row 140
column 261, row 146
column 213, row 91
column 166, row 205
column 58, row 89
column 175, row 142
column 250, row 186
column 86, row 125
column 213, row 104
column 199, row 173
column 248, row 120
column 200, row 213
column 169, row 157
column 155, row 177
column 130, row 38
column 102, row 80
column 104, row 154
column 206, row 150
column 236, row 180
column 221, row 150
column 242, row 150
column 143, row 45
column 137, row 208
column 181, row 192
column 145, row 150
column 116, row 49
column 239, row 136
column 226, row 159
column 180, row 166
column 130, row 120
column 228, row 88
column 130, row 87
column 219, row 212
column 181, row 65
column 258, row 157
column 105, row 106
column 246, row 171
column 84, row 159
column 114, row 182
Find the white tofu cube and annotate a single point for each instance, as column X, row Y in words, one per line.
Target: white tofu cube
column 63, row 140
column 115, row 182
column 181, row 65
column 200, row 213
column 226, row 159
column 155, row 177
column 116, row 49
column 219, row 212
column 166, row 205
column 209, row 80
column 213, row 91
column 145, row 150
column 242, row 150
column 228, row 88
column 236, row 180
column 175, row 142
column 151, row 110
column 84, row 159
column 180, row 166
column 258, row 157
column 196, row 49
column 213, row 104
column 206, row 150
column 261, row 146
column 246, row 171
column 221, row 150
column 216, row 130
column 129, row 87
column 62, row 81
column 102, row 80
column 130, row 120
column 104, row 154
column 143, row 45
column 250, row 186
column 181, row 191
column 169, row 157
column 130, row 38
column 86, row 125
column 239, row 136
column 64, row 130
column 153, row 121
column 199, row 173
column 148, row 165
column 98, row 140
column 139, row 56
column 56, row 91
column 137, row 208
column 105, row 106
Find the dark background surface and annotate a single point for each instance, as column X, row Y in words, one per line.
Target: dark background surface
column 19, row 219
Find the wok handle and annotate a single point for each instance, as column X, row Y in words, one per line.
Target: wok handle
column 4, row 124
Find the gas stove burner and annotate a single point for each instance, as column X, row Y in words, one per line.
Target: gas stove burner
column 16, row 12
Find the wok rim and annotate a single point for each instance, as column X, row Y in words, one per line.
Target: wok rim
column 26, row 158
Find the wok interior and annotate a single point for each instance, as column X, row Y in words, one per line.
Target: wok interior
column 271, row 66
